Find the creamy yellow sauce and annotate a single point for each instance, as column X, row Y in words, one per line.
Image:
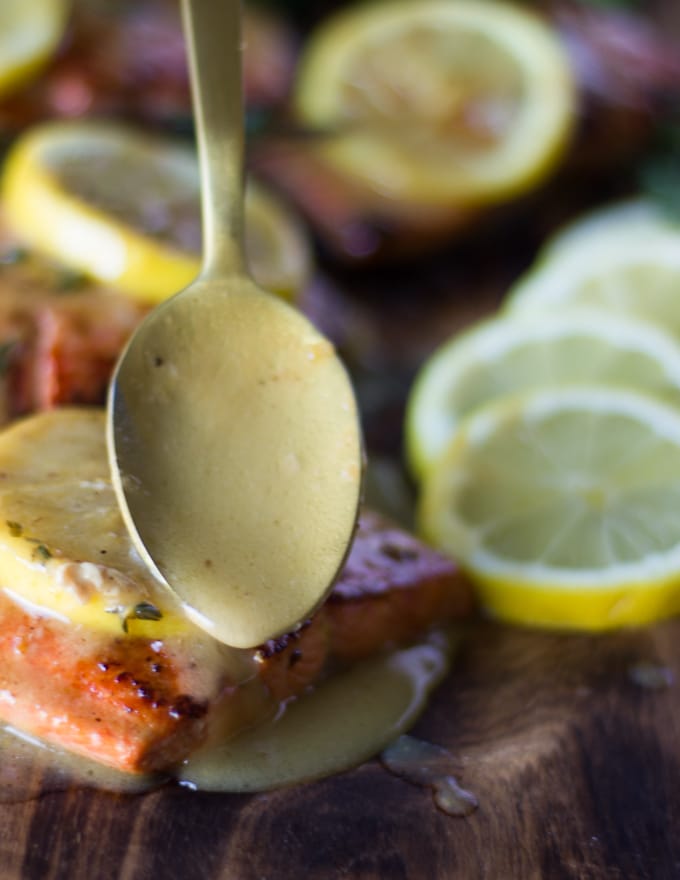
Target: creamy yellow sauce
column 341, row 724
column 347, row 720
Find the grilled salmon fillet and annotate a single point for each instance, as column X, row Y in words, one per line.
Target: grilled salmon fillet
column 127, row 700
column 60, row 334
column 99, row 658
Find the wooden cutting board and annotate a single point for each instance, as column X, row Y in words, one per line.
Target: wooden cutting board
column 570, row 744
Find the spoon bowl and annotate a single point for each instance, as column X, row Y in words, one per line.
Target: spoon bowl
column 233, row 431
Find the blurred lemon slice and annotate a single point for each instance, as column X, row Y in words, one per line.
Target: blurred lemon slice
column 619, row 222
column 30, row 31
column 277, row 248
column 432, row 101
column 638, row 275
column 563, row 505
column 124, row 208
column 510, row 354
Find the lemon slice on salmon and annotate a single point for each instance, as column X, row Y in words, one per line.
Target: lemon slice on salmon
column 124, row 208
column 563, row 505
column 436, row 102
column 64, row 550
column 29, row 34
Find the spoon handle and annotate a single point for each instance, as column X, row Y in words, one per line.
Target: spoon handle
column 213, row 35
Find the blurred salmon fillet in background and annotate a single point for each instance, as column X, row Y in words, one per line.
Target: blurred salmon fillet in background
column 61, row 334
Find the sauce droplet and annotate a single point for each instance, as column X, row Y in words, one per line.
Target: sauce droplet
column 651, row 676
column 431, row 766
column 344, row 722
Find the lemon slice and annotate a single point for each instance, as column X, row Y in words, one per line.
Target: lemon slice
column 619, row 222
column 277, row 247
column 29, row 34
column 64, row 549
column 638, row 275
column 432, row 101
column 510, row 354
column 564, row 506
column 124, row 208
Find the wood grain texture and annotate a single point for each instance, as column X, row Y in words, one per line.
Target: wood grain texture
column 575, row 765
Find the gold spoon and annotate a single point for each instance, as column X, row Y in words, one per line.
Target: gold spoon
column 233, row 432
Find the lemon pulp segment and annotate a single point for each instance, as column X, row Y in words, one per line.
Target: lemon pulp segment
column 563, row 504
column 618, row 223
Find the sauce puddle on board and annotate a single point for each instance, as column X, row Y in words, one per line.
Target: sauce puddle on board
column 650, row 675
column 348, row 719
column 344, row 722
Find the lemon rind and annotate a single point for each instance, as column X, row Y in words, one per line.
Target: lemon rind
column 629, row 218
column 43, row 33
column 636, row 604
column 46, row 217
column 553, row 282
column 429, row 425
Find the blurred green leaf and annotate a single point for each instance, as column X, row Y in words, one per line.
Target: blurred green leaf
column 659, row 171
column 613, row 4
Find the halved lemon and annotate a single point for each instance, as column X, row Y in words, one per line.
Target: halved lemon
column 124, row 208
column 564, row 505
column 513, row 353
column 30, row 31
column 638, row 275
column 620, row 222
column 433, row 101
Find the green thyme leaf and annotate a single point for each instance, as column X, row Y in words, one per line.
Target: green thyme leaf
column 42, row 552
column 146, row 611
column 140, row 611
column 660, row 180
column 659, row 172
